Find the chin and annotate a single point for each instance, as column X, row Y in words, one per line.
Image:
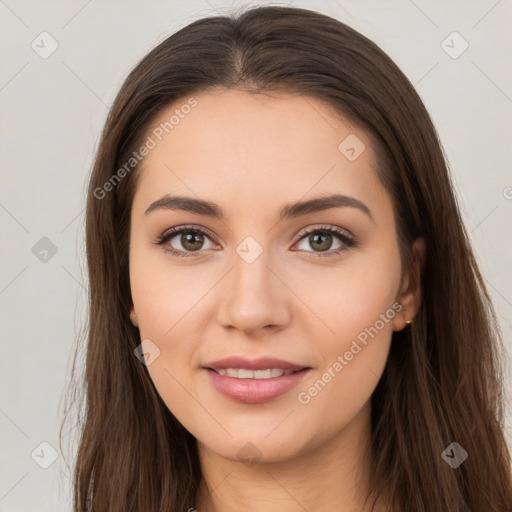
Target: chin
column 260, row 444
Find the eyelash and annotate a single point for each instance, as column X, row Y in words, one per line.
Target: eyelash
column 343, row 236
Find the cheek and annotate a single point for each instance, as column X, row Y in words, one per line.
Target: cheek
column 352, row 297
column 167, row 302
column 170, row 302
column 167, row 310
column 358, row 305
column 164, row 294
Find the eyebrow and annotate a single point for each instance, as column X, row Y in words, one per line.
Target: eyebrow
column 288, row 211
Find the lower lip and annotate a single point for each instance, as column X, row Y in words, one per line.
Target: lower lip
column 254, row 391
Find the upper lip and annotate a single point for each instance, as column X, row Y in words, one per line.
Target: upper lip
column 262, row 363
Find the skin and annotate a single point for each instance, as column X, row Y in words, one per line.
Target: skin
column 259, row 153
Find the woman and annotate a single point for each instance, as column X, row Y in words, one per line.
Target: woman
column 285, row 310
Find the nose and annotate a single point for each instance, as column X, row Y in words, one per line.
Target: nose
column 254, row 297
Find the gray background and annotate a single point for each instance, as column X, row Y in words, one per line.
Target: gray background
column 52, row 111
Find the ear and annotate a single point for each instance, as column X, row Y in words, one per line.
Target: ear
column 133, row 317
column 410, row 293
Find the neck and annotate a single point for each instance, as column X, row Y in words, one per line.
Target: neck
column 331, row 475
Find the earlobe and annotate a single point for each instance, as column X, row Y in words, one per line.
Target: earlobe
column 133, row 317
column 410, row 296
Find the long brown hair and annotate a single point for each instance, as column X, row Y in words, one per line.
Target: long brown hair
column 442, row 382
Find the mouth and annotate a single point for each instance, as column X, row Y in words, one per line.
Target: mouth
column 255, row 381
column 244, row 368
column 244, row 373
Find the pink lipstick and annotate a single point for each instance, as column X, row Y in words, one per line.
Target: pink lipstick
column 254, row 381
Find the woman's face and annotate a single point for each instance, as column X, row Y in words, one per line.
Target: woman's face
column 263, row 283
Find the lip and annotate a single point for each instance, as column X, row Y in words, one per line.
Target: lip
column 254, row 391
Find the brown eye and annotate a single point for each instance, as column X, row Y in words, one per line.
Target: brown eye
column 185, row 241
column 191, row 240
column 320, row 241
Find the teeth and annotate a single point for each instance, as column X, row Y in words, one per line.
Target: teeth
column 263, row 374
column 245, row 374
column 242, row 373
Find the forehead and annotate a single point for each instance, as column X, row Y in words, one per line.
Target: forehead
column 237, row 147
